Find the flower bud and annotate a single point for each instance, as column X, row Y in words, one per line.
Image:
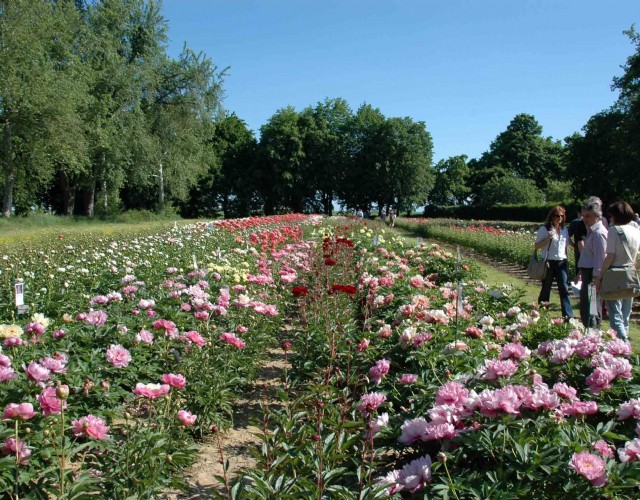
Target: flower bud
column 62, row 391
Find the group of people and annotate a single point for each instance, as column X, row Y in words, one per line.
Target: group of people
column 598, row 244
column 392, row 217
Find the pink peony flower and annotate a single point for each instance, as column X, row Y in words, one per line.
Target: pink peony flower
column 605, row 449
column 177, row 381
column 416, row 474
column 407, row 379
column 90, row 426
column 370, row 402
column 630, row 452
column 496, row 368
column 118, row 356
column 22, row 411
column 144, row 336
column 514, row 351
column 5, row 361
column 590, row 466
column 37, row 372
column 96, row 318
column 195, row 337
column 186, row 418
column 630, row 409
column 600, row 380
column 379, row 370
column 452, row 393
column 7, row 373
column 413, row 430
column 55, row 364
column 579, row 408
column 21, row 450
column 151, row 391
column 231, row 338
column 50, row 403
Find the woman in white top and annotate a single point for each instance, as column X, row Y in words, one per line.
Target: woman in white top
column 620, row 254
column 553, row 238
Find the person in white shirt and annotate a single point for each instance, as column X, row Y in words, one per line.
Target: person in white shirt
column 620, row 254
column 553, row 239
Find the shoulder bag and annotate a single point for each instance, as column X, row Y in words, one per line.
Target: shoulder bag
column 620, row 282
column 537, row 268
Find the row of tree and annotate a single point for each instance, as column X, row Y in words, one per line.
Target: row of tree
column 94, row 112
column 95, row 117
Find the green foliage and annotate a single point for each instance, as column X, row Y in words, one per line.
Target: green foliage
column 509, row 190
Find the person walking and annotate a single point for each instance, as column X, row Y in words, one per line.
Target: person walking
column 623, row 242
column 590, row 264
column 553, row 238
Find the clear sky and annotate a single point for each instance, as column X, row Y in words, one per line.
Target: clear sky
column 465, row 68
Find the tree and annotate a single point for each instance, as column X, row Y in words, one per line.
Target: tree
column 41, row 90
column 509, row 190
column 450, row 187
column 326, row 129
column 520, row 151
column 280, row 179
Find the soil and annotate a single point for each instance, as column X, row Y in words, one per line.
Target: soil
column 234, row 445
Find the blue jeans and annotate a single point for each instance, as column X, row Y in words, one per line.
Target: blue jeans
column 619, row 314
column 558, row 270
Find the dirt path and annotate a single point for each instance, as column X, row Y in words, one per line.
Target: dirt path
column 236, row 444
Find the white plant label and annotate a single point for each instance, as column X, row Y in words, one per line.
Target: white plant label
column 19, row 293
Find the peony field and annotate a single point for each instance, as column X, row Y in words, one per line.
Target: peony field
column 409, row 376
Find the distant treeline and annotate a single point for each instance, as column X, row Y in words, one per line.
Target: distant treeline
column 96, row 118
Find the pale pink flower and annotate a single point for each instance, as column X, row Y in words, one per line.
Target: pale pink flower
column 22, row 411
column 416, row 281
column 496, row 368
column 178, row 381
column 186, row 418
column 407, row 379
column 630, row 452
column 452, row 393
column 118, row 356
column 241, row 329
column 363, row 345
column 618, row 347
column 21, row 450
column 379, row 370
column 565, row 391
column 50, row 403
column 195, row 337
column 605, row 449
column 514, row 351
column 96, row 318
column 151, row 391
column 378, row 423
column 369, row 402
column 630, row 409
column 416, row 474
column 99, row 300
column 590, row 466
column 5, row 361
column 37, row 372
column 7, row 373
column 600, row 380
column 90, row 426
column 413, row 430
column 55, row 364
column 579, row 408
column 145, row 304
column 493, row 403
column 474, row 332
column 384, row 332
column 439, row 430
column 144, row 336
column 231, row 338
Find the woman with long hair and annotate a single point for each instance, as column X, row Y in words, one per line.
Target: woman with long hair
column 623, row 242
column 553, row 239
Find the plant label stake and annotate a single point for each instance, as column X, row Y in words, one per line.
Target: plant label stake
column 175, row 224
column 195, row 263
column 418, row 241
column 19, row 297
column 210, row 227
column 376, row 240
column 218, row 254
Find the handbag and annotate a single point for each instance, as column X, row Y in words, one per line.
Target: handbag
column 537, row 268
column 620, row 282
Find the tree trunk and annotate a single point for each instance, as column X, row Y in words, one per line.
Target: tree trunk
column 89, row 200
column 68, row 193
column 10, row 171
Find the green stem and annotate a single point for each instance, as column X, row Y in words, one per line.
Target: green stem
column 62, row 451
column 17, row 457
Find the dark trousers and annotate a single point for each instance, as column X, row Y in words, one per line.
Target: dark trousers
column 558, row 270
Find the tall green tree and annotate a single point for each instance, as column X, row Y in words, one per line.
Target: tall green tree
column 280, row 178
column 451, row 187
column 41, row 90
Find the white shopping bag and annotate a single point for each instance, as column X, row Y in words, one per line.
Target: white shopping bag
column 575, row 288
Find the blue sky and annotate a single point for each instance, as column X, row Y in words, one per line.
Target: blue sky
column 465, row 68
